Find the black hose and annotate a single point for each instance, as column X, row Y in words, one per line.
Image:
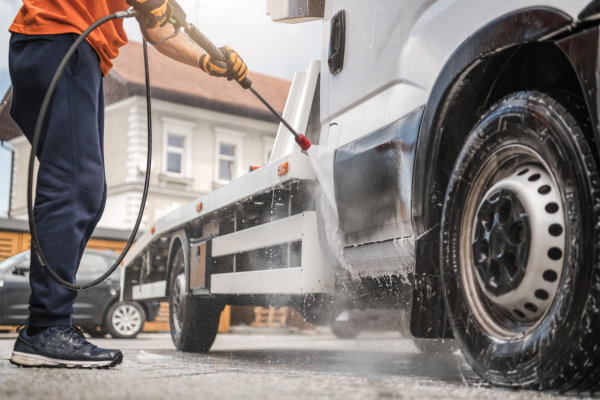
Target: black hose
column 34, row 146
column 275, row 113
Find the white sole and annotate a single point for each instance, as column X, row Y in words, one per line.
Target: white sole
column 35, row 360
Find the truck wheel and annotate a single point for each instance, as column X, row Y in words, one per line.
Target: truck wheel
column 520, row 224
column 124, row 320
column 194, row 321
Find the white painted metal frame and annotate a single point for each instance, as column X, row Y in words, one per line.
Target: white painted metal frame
column 313, row 276
column 297, row 110
column 281, row 231
column 153, row 290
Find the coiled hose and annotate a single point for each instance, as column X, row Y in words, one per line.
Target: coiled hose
column 34, row 147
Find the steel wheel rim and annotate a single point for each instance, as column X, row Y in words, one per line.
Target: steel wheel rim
column 178, row 293
column 502, row 319
column 127, row 319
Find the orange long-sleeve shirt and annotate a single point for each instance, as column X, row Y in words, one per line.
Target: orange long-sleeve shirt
column 45, row 17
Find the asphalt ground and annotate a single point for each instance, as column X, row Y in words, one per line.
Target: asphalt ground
column 377, row 365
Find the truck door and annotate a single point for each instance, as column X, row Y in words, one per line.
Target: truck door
column 393, row 51
column 375, row 33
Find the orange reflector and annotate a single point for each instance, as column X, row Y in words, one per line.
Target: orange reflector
column 122, row 263
column 153, row 230
column 199, row 207
column 283, row 169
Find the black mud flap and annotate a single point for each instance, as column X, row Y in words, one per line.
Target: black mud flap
column 429, row 319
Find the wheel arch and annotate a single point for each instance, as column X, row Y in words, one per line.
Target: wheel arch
column 478, row 74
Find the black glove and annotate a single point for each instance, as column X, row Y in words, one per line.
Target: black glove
column 156, row 12
column 233, row 67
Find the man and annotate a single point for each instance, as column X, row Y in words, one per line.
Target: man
column 71, row 187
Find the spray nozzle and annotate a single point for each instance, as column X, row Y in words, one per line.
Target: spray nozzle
column 303, row 142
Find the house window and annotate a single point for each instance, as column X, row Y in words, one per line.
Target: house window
column 177, row 144
column 228, row 155
column 175, row 156
column 227, row 162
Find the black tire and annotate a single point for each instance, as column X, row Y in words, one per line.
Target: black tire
column 435, row 346
column 119, row 328
column 557, row 350
column 344, row 329
column 194, row 320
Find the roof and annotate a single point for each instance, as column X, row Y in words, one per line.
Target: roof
column 19, row 225
column 178, row 83
column 170, row 75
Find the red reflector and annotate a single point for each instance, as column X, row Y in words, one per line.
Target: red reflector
column 283, row 169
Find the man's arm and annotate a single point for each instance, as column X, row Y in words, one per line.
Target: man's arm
column 179, row 48
column 157, row 14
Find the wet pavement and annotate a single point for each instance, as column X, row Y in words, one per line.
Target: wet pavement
column 378, row 365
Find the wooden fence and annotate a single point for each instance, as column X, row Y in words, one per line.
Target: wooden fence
column 12, row 243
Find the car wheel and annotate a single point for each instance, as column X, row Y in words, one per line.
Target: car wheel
column 194, row 321
column 518, row 246
column 124, row 320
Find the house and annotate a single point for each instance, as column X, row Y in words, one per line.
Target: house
column 206, row 132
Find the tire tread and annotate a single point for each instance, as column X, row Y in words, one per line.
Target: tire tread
column 580, row 369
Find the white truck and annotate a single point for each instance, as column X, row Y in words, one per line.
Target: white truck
column 457, row 151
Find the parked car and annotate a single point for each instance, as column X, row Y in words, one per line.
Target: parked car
column 98, row 309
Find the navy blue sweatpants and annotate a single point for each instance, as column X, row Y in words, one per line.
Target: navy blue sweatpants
column 71, row 188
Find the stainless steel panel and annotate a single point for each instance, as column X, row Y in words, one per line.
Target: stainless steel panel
column 373, row 183
column 295, row 11
column 394, row 257
column 198, row 266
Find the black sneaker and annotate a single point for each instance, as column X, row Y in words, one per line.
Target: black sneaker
column 62, row 347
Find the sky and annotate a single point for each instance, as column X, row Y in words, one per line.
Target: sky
column 266, row 47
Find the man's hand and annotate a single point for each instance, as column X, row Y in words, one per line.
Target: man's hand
column 233, row 67
column 156, row 12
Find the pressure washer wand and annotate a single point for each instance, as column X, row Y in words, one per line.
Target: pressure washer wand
column 208, row 46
